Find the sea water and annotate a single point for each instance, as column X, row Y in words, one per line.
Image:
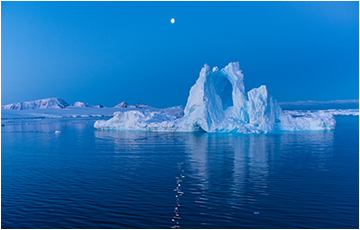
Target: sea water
column 84, row 178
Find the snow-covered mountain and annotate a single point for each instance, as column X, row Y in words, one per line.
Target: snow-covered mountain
column 96, row 106
column 38, row 104
column 126, row 105
column 61, row 104
column 122, row 105
column 79, row 104
column 138, row 105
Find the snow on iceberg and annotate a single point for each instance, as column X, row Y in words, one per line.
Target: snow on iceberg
column 218, row 103
column 38, row 104
column 79, row 104
column 138, row 120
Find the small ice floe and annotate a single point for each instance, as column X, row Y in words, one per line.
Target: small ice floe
column 256, row 213
column 57, row 132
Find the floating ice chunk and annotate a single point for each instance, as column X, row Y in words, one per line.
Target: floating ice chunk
column 218, row 103
column 57, row 132
column 315, row 121
column 175, row 112
column 138, row 120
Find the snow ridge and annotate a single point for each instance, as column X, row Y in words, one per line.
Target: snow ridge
column 122, row 105
column 79, row 104
column 38, row 104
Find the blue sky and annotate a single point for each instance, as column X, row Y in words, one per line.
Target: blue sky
column 108, row 52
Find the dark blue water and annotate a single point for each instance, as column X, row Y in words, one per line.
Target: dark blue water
column 83, row 178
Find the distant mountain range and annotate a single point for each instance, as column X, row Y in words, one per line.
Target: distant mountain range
column 38, row 104
column 59, row 103
column 305, row 105
column 62, row 104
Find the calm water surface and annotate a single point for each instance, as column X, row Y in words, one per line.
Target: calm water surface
column 83, row 178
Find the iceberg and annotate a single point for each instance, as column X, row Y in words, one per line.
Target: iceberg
column 218, row 103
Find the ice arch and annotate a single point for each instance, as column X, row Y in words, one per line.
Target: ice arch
column 219, row 85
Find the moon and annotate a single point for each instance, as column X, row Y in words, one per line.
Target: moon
column 172, row 20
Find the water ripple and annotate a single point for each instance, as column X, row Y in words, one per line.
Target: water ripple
column 85, row 178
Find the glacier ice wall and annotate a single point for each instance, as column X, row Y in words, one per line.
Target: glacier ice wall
column 218, row 103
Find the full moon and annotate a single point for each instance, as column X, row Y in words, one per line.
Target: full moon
column 172, row 20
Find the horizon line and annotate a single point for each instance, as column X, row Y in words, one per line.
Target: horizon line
column 320, row 102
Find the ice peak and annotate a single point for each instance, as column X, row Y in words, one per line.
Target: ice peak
column 205, row 70
column 122, row 105
column 79, row 104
